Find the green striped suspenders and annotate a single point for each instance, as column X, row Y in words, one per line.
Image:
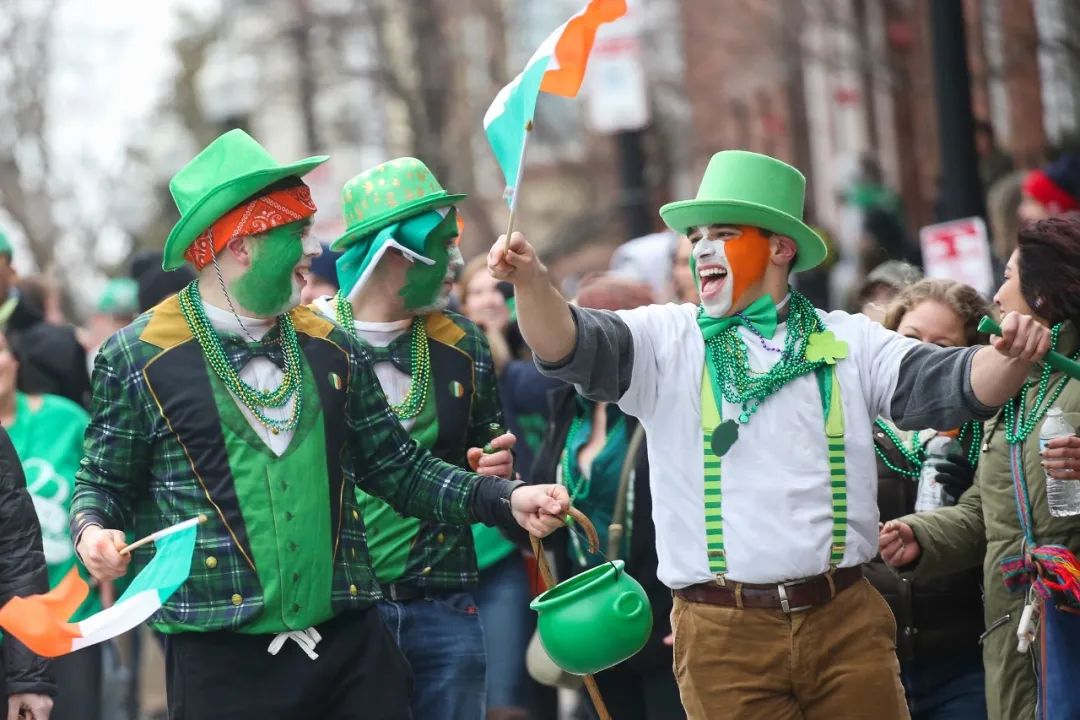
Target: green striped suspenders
column 834, row 432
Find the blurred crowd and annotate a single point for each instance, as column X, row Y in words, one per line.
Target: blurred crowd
column 597, row 452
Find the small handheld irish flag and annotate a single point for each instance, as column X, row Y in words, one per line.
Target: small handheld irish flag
column 557, row 67
column 41, row 621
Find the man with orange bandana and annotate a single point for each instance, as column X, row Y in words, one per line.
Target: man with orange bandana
column 758, row 411
column 230, row 400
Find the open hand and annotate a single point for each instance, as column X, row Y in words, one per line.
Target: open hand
column 100, row 552
column 897, row 544
column 499, row 462
column 1061, row 458
column 514, row 261
column 1022, row 337
column 540, row 509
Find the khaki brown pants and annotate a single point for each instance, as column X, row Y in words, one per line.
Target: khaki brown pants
column 831, row 662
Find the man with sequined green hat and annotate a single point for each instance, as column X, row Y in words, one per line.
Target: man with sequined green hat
column 399, row 259
column 231, row 401
column 758, row 410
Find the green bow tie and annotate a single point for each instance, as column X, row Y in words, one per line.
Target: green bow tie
column 761, row 316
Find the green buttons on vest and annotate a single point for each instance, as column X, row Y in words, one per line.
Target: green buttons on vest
column 355, row 515
column 426, row 571
column 211, row 562
column 237, row 598
column 441, row 538
column 353, row 591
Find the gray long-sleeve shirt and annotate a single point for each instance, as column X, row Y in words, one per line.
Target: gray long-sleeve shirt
column 777, row 514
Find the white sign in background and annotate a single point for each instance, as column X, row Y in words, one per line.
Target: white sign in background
column 959, row 250
column 616, row 95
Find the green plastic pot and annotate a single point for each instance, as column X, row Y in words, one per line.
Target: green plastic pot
column 594, row 620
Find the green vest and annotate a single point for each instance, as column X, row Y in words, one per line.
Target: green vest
column 422, row 553
column 286, row 508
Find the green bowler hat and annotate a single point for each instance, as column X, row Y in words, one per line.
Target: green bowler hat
column 226, row 173
column 745, row 188
column 394, row 191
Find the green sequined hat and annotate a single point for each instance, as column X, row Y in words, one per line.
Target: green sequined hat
column 389, row 193
column 745, row 188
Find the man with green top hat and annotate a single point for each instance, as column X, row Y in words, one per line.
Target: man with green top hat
column 758, row 412
column 231, row 401
column 399, row 259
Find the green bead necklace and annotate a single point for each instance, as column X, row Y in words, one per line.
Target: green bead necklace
column 731, row 361
column 912, row 451
column 419, row 359
column 191, row 307
column 973, row 428
column 577, row 485
column 1019, row 423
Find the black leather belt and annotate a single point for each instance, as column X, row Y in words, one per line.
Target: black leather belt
column 403, row 592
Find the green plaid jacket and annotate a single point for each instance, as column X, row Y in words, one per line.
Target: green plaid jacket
column 467, row 403
column 154, row 456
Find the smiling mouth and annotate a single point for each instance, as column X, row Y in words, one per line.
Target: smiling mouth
column 301, row 275
column 712, row 280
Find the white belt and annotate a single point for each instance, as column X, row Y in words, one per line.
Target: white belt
column 306, row 639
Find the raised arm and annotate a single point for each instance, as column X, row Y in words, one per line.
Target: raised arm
column 543, row 313
column 592, row 349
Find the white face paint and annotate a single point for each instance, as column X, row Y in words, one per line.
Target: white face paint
column 312, row 248
column 713, row 274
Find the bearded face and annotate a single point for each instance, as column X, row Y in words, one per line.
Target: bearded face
column 280, row 260
column 728, row 263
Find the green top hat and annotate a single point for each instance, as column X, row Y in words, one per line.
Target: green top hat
column 226, row 173
column 745, row 188
column 389, row 193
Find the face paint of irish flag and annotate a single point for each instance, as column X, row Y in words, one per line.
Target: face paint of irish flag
column 40, row 621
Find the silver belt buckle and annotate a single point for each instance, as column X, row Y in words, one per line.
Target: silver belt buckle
column 781, row 589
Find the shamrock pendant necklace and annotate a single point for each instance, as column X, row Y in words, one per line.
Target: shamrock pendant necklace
column 724, row 436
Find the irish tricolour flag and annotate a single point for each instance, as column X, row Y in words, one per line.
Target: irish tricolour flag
column 41, row 621
column 557, row 67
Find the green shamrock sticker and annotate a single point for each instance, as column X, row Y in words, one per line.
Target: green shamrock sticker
column 823, row 346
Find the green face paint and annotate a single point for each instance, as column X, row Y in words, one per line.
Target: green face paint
column 267, row 288
column 423, row 282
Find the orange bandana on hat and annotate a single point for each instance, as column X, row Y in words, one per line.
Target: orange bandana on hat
column 258, row 215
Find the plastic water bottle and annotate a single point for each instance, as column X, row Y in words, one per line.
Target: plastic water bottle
column 931, row 493
column 1062, row 495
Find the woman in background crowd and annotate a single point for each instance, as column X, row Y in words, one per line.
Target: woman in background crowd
column 1006, row 513
column 503, row 593
column 47, row 432
column 938, row 621
column 586, row 449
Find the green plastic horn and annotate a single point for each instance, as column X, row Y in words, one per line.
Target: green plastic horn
column 1053, row 358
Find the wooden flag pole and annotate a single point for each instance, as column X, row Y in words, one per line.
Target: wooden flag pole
column 517, row 186
column 162, row 533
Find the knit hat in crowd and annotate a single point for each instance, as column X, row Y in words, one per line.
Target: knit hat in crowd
column 1057, row 185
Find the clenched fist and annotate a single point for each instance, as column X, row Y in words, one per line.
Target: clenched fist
column 100, row 552
column 540, row 509
column 514, row 261
column 897, row 544
column 1022, row 337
